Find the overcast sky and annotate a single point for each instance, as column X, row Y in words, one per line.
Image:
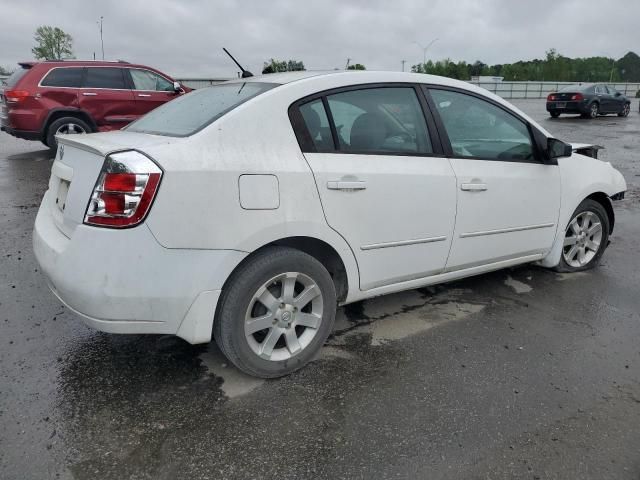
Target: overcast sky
column 186, row 38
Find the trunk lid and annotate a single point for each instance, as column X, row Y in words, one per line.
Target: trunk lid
column 76, row 168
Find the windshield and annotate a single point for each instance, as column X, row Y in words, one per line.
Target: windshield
column 14, row 77
column 190, row 113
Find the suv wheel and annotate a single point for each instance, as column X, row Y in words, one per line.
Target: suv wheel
column 66, row 126
column 276, row 312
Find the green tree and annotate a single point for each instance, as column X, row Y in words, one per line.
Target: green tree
column 52, row 43
column 629, row 67
column 275, row 66
column 357, row 66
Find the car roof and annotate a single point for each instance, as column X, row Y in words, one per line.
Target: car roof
column 81, row 63
column 351, row 77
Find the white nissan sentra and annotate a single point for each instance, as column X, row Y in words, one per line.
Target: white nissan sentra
column 250, row 210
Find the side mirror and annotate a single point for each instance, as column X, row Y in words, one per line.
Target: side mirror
column 618, row 94
column 557, row 148
column 177, row 87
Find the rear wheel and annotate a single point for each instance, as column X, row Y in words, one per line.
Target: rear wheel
column 65, row 126
column 586, row 238
column 594, row 110
column 276, row 312
column 625, row 110
column 554, row 114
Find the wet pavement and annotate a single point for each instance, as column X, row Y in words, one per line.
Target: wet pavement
column 522, row 373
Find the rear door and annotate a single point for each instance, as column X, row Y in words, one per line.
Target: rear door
column 383, row 182
column 150, row 89
column 508, row 200
column 106, row 96
column 606, row 100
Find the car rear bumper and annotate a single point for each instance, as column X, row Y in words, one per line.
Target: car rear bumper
column 569, row 107
column 124, row 281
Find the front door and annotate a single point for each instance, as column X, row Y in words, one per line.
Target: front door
column 508, row 201
column 381, row 185
column 150, row 90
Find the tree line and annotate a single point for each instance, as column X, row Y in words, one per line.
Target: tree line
column 554, row 67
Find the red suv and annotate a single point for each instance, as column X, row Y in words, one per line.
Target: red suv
column 42, row 99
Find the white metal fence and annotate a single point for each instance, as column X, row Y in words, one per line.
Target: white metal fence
column 542, row 89
column 504, row 89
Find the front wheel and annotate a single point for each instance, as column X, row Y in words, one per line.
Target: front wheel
column 276, row 312
column 625, row 110
column 586, row 238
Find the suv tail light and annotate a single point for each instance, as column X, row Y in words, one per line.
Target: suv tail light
column 125, row 190
column 577, row 97
column 551, row 97
column 15, row 96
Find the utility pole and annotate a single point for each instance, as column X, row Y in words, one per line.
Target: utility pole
column 101, row 41
column 403, row 62
column 347, row 66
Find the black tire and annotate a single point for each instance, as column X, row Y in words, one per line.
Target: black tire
column 238, row 294
column 626, row 109
column 594, row 110
column 50, row 139
column 554, row 114
column 597, row 209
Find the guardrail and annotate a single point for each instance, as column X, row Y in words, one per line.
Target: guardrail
column 514, row 90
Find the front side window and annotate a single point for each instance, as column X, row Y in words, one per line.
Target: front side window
column 63, row 77
column 479, row 129
column 105, row 77
column 380, row 120
column 147, row 80
column 192, row 112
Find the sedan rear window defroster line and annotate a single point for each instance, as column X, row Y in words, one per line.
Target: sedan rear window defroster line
column 194, row 111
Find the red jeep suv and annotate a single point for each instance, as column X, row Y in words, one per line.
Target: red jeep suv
column 42, row 99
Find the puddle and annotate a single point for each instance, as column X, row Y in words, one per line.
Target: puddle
column 235, row 383
column 561, row 277
column 517, row 285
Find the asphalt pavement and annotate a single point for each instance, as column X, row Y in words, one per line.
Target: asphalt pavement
column 522, row 373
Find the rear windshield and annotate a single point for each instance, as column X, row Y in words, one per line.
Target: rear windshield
column 14, row 77
column 574, row 88
column 190, row 113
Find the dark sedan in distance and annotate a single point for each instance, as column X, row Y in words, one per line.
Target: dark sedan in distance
column 588, row 100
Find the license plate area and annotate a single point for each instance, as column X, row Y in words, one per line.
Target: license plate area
column 61, row 195
column 561, row 104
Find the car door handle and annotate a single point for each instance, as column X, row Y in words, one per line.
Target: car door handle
column 346, row 185
column 89, row 94
column 473, row 187
column 144, row 94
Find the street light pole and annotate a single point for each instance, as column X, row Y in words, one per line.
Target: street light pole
column 101, row 41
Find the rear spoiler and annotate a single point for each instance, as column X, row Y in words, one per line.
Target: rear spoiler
column 586, row 149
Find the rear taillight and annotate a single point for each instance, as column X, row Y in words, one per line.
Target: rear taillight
column 551, row 97
column 577, row 97
column 15, row 96
column 125, row 190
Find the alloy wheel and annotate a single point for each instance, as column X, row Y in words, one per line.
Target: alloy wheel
column 283, row 316
column 626, row 109
column 583, row 239
column 594, row 110
column 70, row 128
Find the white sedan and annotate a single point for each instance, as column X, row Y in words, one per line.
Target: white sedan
column 250, row 210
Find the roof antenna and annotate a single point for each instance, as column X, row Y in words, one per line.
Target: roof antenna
column 245, row 73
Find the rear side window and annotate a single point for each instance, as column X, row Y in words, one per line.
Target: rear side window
column 15, row 77
column 192, row 112
column 479, row 129
column 63, row 77
column 105, row 77
column 380, row 120
column 317, row 123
